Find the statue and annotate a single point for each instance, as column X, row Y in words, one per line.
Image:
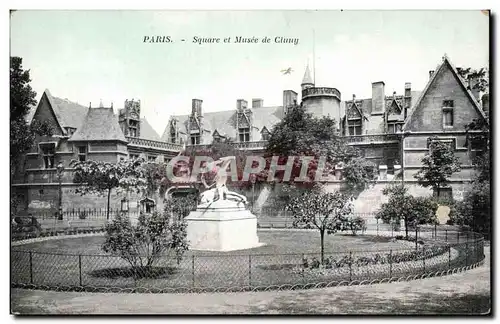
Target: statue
column 220, row 192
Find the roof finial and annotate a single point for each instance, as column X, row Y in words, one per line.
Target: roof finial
column 353, row 97
column 90, row 104
column 445, row 56
column 111, row 104
column 100, row 103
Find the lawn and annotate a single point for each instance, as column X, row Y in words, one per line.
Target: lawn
column 81, row 262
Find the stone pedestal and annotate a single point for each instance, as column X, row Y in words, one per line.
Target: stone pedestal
column 222, row 226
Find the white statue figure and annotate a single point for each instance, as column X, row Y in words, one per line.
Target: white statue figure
column 220, row 192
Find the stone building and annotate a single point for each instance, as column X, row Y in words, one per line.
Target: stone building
column 392, row 130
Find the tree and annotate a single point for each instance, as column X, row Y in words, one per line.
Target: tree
column 97, row 177
column 22, row 135
column 438, row 165
column 300, row 134
column 481, row 75
column 403, row 206
column 327, row 212
column 142, row 245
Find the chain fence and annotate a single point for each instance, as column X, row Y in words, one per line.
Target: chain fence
column 437, row 251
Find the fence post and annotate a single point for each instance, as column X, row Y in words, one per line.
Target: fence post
column 80, row 268
column 458, row 236
column 435, row 231
column 446, row 235
column 192, row 268
column 390, row 264
column 449, row 257
column 466, row 253
column 250, row 270
column 31, row 267
column 350, row 266
column 423, row 258
column 377, row 226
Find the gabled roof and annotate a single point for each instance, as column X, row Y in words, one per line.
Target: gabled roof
column 100, row 124
column 446, row 62
column 68, row 113
column 224, row 122
column 147, row 132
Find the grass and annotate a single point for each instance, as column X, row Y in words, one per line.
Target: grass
column 263, row 266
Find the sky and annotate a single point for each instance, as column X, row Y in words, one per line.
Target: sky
column 93, row 56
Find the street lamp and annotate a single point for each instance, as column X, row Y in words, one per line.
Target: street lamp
column 60, row 169
column 253, row 178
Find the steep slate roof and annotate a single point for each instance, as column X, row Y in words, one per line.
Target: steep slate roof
column 68, row 113
column 446, row 61
column 100, row 124
column 147, row 132
column 307, row 76
column 225, row 121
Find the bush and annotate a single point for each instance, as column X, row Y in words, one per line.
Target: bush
column 142, row 245
column 354, row 224
column 82, row 215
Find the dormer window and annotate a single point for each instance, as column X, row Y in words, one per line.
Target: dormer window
column 265, row 134
column 195, row 139
column 354, row 126
column 70, row 131
column 448, row 106
column 244, row 134
column 132, row 126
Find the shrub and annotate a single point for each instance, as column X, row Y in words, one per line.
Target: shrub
column 142, row 245
column 354, row 224
column 82, row 215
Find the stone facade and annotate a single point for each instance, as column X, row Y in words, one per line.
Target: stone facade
column 390, row 130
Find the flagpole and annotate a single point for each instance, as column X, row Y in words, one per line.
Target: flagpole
column 314, row 57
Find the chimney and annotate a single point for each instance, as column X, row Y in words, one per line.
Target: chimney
column 378, row 97
column 407, row 99
column 241, row 104
column 196, row 107
column 289, row 98
column 257, row 103
column 407, row 89
column 431, row 72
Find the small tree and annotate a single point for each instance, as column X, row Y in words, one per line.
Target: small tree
column 97, row 177
column 142, row 245
column 403, row 206
column 438, row 165
column 324, row 211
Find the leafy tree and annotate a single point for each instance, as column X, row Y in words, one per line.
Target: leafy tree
column 97, row 177
column 438, row 165
column 142, row 245
column 326, row 212
column 403, row 206
column 480, row 75
column 475, row 209
column 22, row 135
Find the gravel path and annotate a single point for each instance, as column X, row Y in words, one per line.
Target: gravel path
column 464, row 293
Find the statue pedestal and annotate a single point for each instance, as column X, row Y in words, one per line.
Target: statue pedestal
column 222, row 226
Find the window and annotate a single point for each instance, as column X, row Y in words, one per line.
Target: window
column 445, row 192
column 151, row 158
column 48, row 151
column 132, row 128
column 195, row 139
column 265, row 135
column 244, row 134
column 82, row 153
column 448, row 106
column 354, row 127
column 393, row 128
column 134, row 156
column 173, row 135
column 70, row 130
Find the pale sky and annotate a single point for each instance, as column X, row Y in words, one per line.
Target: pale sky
column 88, row 56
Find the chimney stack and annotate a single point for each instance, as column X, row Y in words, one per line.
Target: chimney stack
column 378, row 97
column 407, row 89
column 257, row 103
column 289, row 99
column 241, row 104
column 196, row 107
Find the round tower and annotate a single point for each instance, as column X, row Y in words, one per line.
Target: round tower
column 320, row 101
